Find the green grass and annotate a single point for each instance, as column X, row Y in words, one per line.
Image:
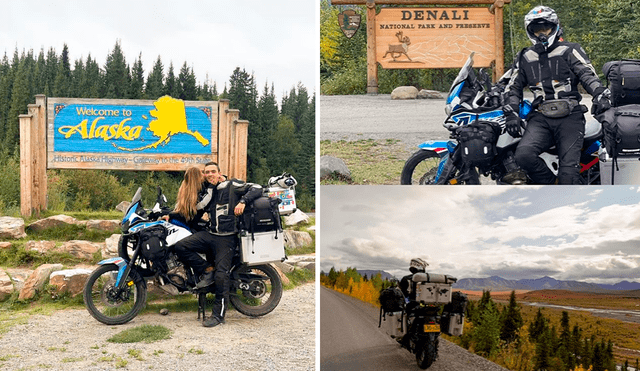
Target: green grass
column 369, row 161
column 145, row 333
column 298, row 277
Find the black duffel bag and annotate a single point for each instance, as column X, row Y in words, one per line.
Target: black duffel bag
column 624, row 81
column 478, row 143
column 262, row 215
column 621, row 130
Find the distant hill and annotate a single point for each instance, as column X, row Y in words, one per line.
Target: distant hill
column 496, row 283
column 370, row 273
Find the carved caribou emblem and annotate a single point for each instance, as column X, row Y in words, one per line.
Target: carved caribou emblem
column 349, row 22
column 396, row 50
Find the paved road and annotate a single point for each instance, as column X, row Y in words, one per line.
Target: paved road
column 351, row 340
column 353, row 117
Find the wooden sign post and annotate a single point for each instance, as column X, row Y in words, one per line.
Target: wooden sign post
column 120, row 134
column 435, row 37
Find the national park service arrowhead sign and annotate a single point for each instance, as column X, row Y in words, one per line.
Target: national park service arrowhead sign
column 349, row 22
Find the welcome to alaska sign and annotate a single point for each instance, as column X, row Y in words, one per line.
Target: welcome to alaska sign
column 131, row 134
column 122, row 134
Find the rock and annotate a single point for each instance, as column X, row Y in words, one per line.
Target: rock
column 297, row 217
column 81, row 249
column 430, row 94
column 70, row 280
column 404, row 92
column 53, row 221
column 19, row 276
column 330, row 165
column 103, row 225
column 11, row 227
column 164, row 311
column 283, row 277
column 40, row 246
column 5, row 245
column 111, row 245
column 284, row 267
column 123, row 206
column 307, row 261
column 37, row 279
column 296, row 239
column 6, row 285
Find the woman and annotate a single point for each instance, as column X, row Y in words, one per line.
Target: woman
column 193, row 196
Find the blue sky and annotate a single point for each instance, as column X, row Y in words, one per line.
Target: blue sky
column 276, row 40
column 570, row 233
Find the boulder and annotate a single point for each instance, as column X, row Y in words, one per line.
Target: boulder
column 19, row 276
column 5, row 245
column 69, row 280
column 284, row 267
column 53, row 221
column 297, row 217
column 111, row 245
column 123, row 206
column 11, row 227
column 103, row 225
column 296, row 239
column 404, row 92
column 283, row 277
column 37, row 280
column 6, row 285
column 330, row 165
column 307, row 261
column 40, row 246
column 430, row 94
column 81, row 249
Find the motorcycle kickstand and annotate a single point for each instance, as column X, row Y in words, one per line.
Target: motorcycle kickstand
column 202, row 305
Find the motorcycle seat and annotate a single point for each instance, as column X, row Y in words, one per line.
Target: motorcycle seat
column 433, row 278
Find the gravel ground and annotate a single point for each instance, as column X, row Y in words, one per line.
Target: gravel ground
column 73, row 340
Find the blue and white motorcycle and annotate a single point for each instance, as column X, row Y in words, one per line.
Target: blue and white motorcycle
column 479, row 142
column 116, row 291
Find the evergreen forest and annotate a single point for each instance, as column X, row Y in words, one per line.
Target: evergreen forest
column 281, row 134
column 606, row 29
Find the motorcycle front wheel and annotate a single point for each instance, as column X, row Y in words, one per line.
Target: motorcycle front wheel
column 257, row 291
column 109, row 305
column 427, row 352
column 421, row 168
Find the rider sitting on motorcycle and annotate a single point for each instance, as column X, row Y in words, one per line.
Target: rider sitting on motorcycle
column 194, row 195
column 219, row 240
column 551, row 68
column 407, row 286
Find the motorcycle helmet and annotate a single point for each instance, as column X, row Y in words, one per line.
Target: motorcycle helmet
column 417, row 265
column 541, row 18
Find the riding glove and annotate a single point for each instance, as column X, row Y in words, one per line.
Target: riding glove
column 601, row 101
column 514, row 126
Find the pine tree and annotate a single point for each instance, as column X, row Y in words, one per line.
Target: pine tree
column 155, row 87
column 542, row 358
column 62, row 82
column 116, row 75
column 78, row 79
column 20, row 97
column 186, row 83
column 137, row 79
column 93, row 86
column 171, row 84
column 487, row 334
column 538, row 327
column 512, row 321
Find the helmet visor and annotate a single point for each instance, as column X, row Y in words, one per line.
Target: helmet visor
column 542, row 28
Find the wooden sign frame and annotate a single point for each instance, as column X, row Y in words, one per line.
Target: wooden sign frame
column 94, row 124
column 400, row 47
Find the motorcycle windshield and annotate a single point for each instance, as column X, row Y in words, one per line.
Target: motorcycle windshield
column 463, row 74
column 453, row 99
column 130, row 215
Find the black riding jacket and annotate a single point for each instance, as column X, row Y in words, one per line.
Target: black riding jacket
column 227, row 195
column 552, row 74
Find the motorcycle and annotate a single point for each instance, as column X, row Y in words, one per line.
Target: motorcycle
column 116, row 291
column 416, row 321
column 479, row 142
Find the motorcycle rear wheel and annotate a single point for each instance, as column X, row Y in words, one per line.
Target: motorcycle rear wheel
column 261, row 295
column 421, row 168
column 105, row 304
column 427, row 352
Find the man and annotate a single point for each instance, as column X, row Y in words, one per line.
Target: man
column 228, row 202
column 551, row 68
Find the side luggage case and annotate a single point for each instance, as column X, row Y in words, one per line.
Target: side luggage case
column 621, row 127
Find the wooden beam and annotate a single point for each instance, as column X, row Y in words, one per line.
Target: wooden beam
column 41, row 168
column 26, row 166
column 242, row 133
column 228, row 169
column 223, row 129
column 498, row 11
column 372, row 64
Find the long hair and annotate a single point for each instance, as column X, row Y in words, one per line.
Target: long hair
column 188, row 193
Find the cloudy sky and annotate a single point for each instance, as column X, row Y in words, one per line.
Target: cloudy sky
column 569, row 233
column 276, row 40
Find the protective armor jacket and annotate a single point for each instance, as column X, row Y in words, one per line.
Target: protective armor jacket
column 550, row 74
column 222, row 220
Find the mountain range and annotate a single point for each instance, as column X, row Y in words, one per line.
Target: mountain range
column 371, row 273
column 496, row 283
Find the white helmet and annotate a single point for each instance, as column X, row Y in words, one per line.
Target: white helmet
column 542, row 17
column 417, row 265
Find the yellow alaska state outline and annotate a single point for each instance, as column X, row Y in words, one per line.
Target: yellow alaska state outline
column 170, row 119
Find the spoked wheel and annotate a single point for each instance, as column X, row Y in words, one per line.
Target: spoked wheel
column 427, row 352
column 109, row 305
column 259, row 290
column 421, row 168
